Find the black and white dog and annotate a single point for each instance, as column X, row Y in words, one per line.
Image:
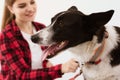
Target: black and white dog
column 95, row 46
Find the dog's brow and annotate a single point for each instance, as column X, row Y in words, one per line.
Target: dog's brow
column 61, row 14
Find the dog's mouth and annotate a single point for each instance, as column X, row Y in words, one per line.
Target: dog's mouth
column 53, row 49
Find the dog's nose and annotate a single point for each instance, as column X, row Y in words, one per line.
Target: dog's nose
column 35, row 39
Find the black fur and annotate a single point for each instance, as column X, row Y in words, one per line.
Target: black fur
column 85, row 26
column 115, row 54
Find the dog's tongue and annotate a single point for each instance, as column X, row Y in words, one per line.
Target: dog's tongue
column 53, row 49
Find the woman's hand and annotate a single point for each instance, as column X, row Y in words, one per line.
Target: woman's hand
column 49, row 64
column 70, row 66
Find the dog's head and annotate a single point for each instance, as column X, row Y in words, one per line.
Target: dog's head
column 71, row 27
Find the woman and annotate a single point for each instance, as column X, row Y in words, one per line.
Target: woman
column 20, row 58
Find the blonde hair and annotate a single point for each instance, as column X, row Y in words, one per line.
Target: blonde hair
column 7, row 15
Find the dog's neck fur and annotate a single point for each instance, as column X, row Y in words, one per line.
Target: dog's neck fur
column 86, row 50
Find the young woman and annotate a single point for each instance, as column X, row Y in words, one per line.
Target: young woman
column 20, row 58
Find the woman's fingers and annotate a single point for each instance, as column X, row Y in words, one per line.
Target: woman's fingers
column 70, row 66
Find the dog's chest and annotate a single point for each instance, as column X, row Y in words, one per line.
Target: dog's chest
column 89, row 71
column 97, row 71
column 80, row 54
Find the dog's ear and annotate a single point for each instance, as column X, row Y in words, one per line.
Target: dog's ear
column 100, row 19
column 73, row 8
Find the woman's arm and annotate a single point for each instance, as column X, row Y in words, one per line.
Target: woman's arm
column 16, row 63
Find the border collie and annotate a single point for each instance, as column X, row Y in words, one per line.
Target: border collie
column 86, row 38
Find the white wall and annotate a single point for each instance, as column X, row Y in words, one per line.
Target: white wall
column 48, row 8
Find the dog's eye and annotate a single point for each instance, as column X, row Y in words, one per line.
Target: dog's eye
column 61, row 23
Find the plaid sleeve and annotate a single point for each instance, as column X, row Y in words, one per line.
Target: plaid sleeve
column 43, row 74
column 44, row 64
column 18, row 66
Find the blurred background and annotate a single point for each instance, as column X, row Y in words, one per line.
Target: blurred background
column 48, row 8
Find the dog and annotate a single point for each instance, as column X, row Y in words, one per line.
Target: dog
column 86, row 38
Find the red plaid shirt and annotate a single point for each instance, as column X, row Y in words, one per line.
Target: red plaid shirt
column 16, row 57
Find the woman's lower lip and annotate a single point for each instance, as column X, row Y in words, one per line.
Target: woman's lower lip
column 30, row 15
